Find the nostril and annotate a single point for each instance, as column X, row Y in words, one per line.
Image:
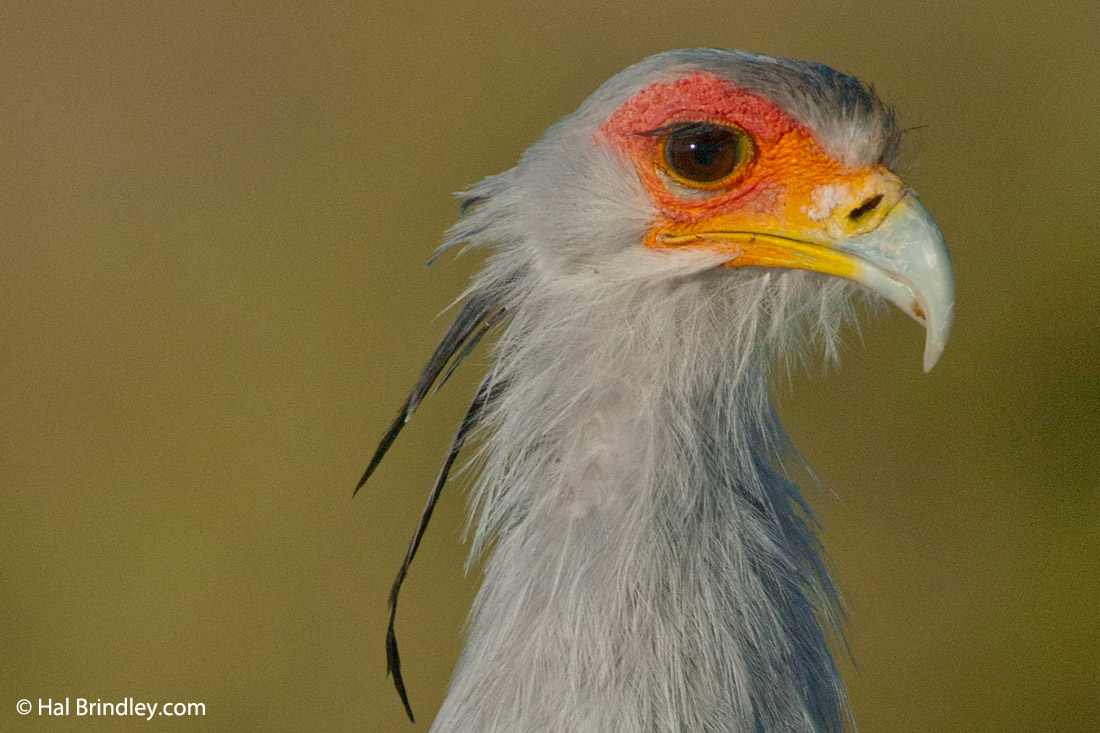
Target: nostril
column 865, row 208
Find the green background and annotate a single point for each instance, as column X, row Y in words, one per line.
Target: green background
column 213, row 224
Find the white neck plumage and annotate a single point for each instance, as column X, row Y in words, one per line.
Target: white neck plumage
column 650, row 568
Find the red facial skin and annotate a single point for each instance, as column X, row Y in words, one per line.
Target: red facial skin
column 774, row 186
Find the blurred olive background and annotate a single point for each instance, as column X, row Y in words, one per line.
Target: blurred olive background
column 214, row 220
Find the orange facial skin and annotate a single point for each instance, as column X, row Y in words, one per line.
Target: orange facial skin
column 789, row 192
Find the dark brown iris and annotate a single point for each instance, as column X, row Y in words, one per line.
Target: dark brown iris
column 703, row 152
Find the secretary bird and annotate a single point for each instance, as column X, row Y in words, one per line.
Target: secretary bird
column 703, row 216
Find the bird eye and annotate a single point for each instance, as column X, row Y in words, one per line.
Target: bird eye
column 704, row 155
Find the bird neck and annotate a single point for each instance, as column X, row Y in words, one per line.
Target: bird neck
column 650, row 569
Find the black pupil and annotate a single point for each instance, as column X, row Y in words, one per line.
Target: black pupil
column 703, row 154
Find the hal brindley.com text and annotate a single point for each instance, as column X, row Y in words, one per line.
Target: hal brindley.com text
column 81, row 706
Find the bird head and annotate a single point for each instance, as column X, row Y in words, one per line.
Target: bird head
column 718, row 160
column 650, row 251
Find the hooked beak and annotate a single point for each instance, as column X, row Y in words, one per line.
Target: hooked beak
column 905, row 260
column 878, row 235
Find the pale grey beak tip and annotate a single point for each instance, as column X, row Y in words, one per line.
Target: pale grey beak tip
column 906, row 261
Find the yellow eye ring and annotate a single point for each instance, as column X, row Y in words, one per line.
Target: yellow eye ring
column 704, row 155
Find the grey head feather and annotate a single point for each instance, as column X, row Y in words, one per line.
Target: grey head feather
column 845, row 115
